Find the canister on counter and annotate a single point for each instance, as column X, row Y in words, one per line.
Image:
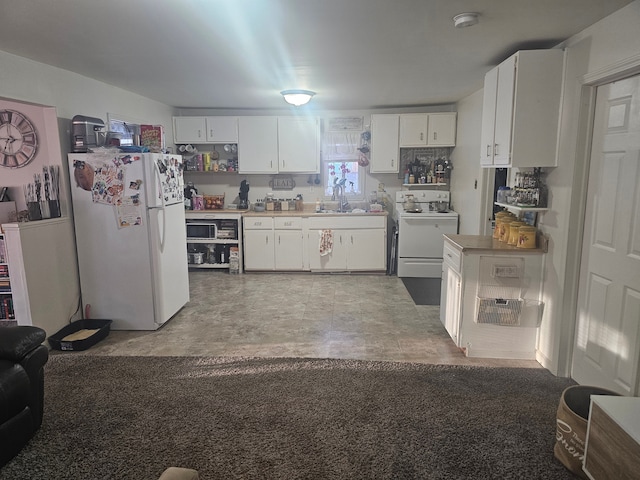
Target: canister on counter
column 498, row 218
column 514, row 232
column 504, row 229
column 527, row 236
column 501, row 219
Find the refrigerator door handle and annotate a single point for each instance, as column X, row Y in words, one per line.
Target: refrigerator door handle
column 164, row 214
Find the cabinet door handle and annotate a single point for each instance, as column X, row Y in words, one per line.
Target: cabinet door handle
column 435, row 135
column 266, row 239
column 421, row 136
column 211, row 133
column 495, row 149
column 393, row 160
column 199, row 133
column 488, row 150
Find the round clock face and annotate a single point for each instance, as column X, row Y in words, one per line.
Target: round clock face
column 18, row 139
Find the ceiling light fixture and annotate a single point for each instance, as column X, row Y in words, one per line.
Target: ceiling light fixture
column 465, row 20
column 297, row 97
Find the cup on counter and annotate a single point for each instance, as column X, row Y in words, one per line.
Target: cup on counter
column 198, row 202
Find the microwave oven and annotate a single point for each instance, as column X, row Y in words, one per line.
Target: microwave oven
column 202, row 230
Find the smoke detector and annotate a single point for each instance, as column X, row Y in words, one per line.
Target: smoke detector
column 465, row 20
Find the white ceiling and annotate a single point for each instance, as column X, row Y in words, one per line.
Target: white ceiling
column 356, row 54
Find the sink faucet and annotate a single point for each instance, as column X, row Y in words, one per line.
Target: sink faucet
column 339, row 192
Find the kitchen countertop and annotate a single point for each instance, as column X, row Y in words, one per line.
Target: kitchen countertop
column 487, row 244
column 285, row 213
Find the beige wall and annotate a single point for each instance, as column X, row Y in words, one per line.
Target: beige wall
column 608, row 45
column 468, row 178
column 71, row 94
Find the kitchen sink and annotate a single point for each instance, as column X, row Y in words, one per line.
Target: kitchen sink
column 349, row 212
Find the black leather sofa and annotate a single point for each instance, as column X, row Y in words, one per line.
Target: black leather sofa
column 22, row 360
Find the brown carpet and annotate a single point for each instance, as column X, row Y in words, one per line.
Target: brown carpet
column 279, row 418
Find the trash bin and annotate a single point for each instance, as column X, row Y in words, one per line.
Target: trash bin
column 571, row 425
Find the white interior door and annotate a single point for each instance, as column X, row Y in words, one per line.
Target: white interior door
column 607, row 337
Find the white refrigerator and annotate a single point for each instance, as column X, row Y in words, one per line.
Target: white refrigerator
column 128, row 212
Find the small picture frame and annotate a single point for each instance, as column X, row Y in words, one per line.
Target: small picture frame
column 530, row 218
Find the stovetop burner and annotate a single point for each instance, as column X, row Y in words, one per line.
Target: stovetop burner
column 424, row 203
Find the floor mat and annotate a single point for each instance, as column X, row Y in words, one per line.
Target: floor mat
column 423, row 291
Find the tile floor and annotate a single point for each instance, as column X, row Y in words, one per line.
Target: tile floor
column 368, row 317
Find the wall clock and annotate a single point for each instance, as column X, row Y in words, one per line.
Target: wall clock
column 18, row 139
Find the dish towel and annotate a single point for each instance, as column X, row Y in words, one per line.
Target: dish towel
column 326, row 242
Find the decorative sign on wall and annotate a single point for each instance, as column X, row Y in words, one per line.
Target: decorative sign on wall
column 282, row 182
column 341, row 124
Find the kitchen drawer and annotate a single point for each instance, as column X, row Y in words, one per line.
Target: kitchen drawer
column 452, row 257
column 288, row 223
column 258, row 223
column 347, row 221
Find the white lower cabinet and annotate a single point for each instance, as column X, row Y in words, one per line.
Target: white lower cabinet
column 450, row 300
column 451, row 290
column 259, row 253
column 288, row 243
column 273, row 243
column 490, row 299
column 359, row 243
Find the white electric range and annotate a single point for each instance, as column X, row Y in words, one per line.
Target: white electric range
column 421, row 230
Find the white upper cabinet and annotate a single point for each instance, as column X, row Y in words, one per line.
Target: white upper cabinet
column 298, row 144
column 428, row 129
column 258, row 144
column 222, row 129
column 189, row 130
column 521, row 106
column 278, row 144
column 441, row 129
column 384, row 143
column 413, row 129
column 205, row 130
